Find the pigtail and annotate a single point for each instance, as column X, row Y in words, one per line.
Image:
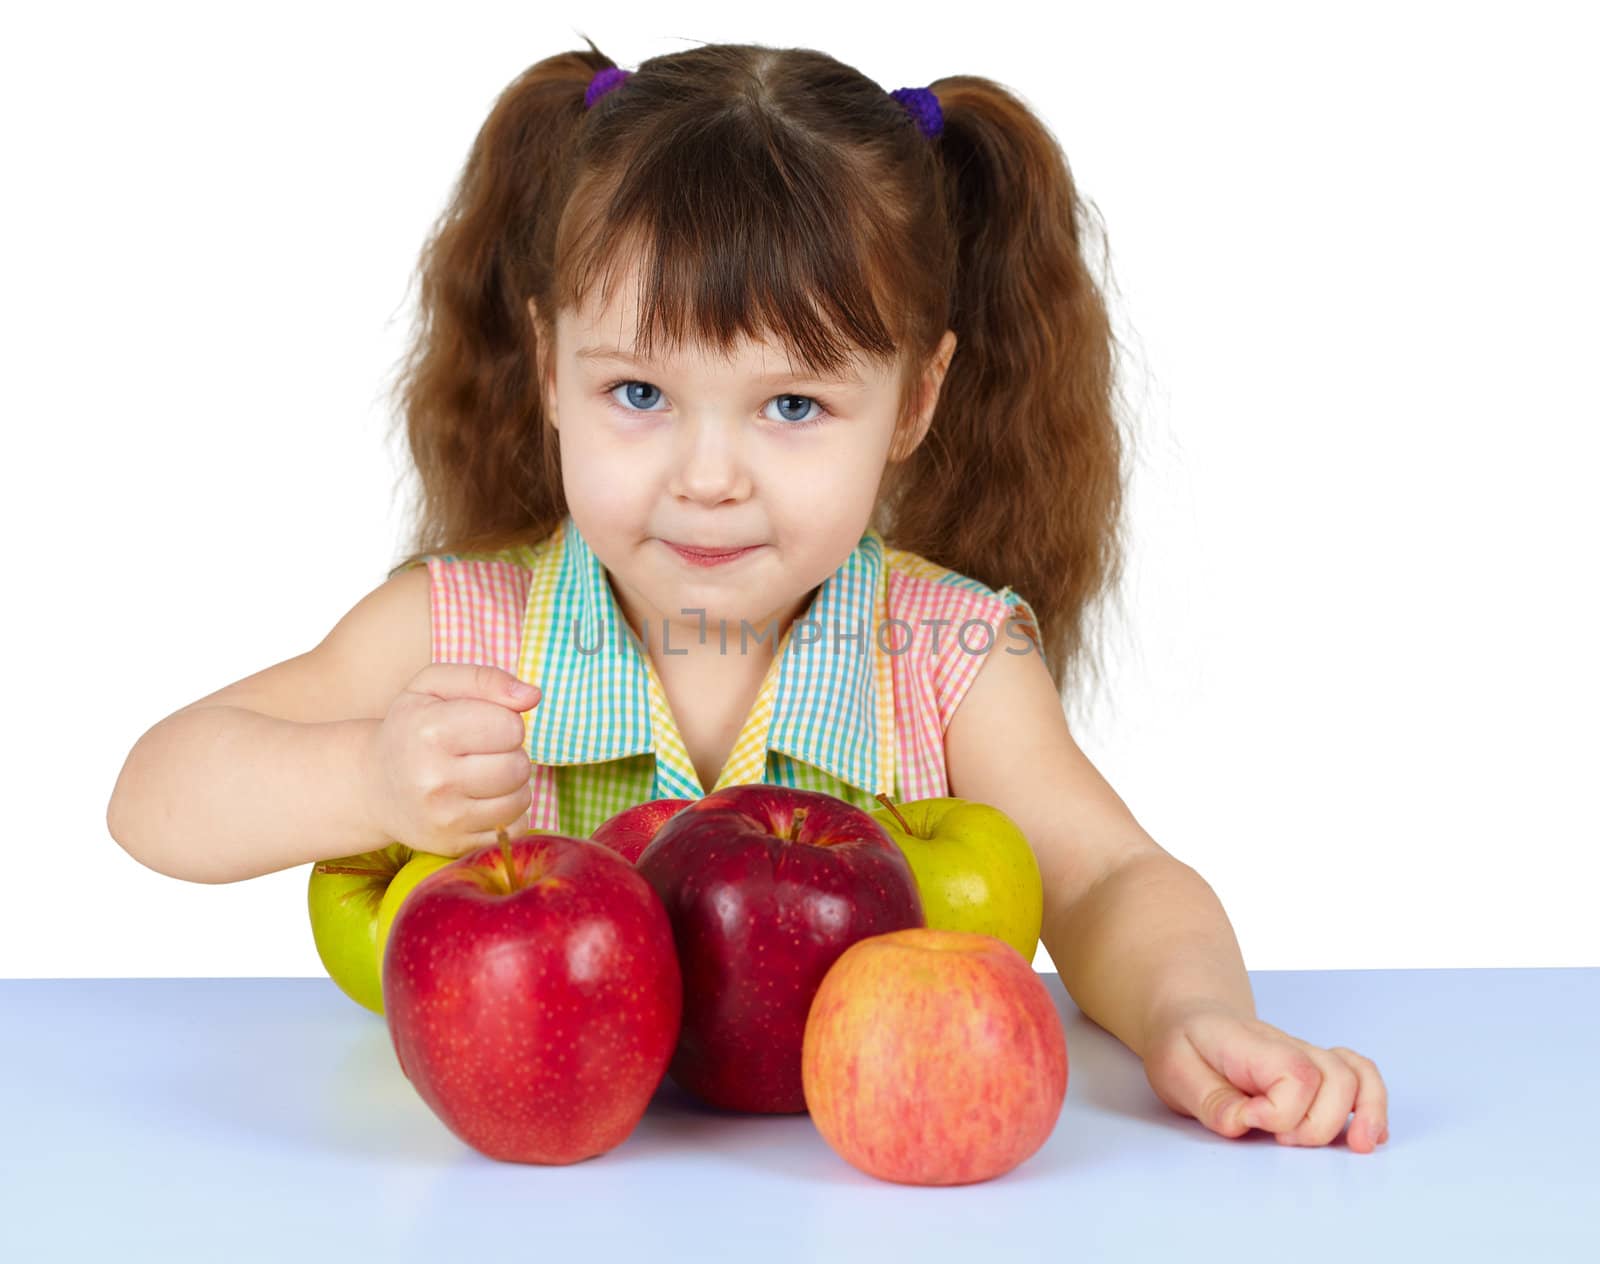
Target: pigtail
column 1019, row 480
column 469, row 391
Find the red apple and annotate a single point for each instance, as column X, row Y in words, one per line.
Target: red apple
column 629, row 832
column 766, row 886
column 532, row 993
column 934, row 1057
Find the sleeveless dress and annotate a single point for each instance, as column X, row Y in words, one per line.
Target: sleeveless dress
column 853, row 703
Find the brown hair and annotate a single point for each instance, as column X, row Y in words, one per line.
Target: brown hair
column 766, row 189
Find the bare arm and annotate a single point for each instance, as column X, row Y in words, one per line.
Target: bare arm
column 223, row 793
column 271, row 771
column 1133, row 931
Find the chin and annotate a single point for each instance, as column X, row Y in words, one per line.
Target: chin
column 723, row 607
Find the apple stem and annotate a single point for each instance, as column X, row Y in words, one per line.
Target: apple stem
column 505, row 855
column 355, row 869
column 797, row 822
column 904, row 824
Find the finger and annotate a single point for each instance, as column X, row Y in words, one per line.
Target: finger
column 1371, row 1125
column 474, row 727
column 485, row 778
column 487, row 817
column 1325, row 1118
column 522, row 824
column 1188, row 1084
column 1276, row 1076
column 482, row 681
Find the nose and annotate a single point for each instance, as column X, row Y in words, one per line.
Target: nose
column 709, row 462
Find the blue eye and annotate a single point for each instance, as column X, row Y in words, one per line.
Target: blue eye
column 649, row 391
column 822, row 410
column 648, row 388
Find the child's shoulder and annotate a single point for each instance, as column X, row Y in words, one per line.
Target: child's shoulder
column 523, row 555
column 478, row 598
column 918, row 584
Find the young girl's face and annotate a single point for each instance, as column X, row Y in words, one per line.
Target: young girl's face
column 720, row 453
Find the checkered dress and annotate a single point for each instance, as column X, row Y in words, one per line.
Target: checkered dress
column 845, row 708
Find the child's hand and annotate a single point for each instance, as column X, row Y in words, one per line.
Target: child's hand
column 447, row 767
column 1231, row 1073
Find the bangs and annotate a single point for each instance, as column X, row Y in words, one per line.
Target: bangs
column 732, row 239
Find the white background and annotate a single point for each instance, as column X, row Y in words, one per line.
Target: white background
column 1354, row 260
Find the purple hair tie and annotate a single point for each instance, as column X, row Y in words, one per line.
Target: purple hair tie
column 604, row 80
column 923, row 106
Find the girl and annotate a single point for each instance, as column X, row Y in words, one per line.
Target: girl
column 741, row 350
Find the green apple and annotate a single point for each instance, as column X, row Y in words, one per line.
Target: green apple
column 975, row 869
column 346, row 899
column 421, row 864
column 343, row 896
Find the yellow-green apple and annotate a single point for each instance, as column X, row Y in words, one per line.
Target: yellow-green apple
column 766, row 885
column 421, row 864
column 343, row 896
column 629, row 831
column 975, row 869
column 532, row 994
column 934, row 1057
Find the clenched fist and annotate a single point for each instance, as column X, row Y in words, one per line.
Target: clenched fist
column 447, row 768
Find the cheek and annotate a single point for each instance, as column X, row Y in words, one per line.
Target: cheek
column 594, row 452
column 822, row 473
column 818, row 514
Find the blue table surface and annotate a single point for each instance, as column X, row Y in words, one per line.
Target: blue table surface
column 267, row 1119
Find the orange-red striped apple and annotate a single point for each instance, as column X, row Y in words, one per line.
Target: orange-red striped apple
column 934, row 1057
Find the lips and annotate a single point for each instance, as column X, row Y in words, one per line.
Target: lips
column 707, row 551
column 705, row 559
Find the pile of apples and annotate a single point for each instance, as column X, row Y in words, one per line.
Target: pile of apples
column 774, row 950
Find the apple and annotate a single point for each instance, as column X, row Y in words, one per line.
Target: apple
column 765, row 886
column 343, row 896
column 421, row 864
column 934, row 1057
column 533, row 997
column 975, row 869
column 629, row 831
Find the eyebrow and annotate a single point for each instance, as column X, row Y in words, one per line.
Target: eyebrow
column 622, row 357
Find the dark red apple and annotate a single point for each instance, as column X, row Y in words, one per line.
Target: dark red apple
column 533, row 997
column 765, row 887
column 629, row 832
